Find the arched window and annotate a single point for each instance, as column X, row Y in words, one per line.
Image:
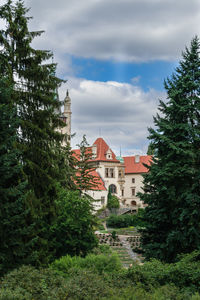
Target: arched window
column 113, row 189
column 133, row 203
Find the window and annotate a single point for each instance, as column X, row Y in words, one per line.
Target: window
column 102, row 200
column 109, row 172
column 121, row 173
column 133, row 180
column 122, row 193
column 133, row 203
column 133, row 191
column 109, row 154
column 113, row 189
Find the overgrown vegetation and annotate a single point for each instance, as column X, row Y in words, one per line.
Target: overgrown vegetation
column 101, row 276
column 43, row 217
column 127, row 220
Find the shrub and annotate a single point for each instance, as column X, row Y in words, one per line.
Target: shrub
column 87, row 285
column 73, row 230
column 123, row 221
column 97, row 263
column 185, row 274
column 27, row 283
column 113, row 201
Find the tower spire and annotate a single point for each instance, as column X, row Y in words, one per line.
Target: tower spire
column 66, row 116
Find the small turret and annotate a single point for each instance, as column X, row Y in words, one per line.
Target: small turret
column 66, row 116
column 67, row 103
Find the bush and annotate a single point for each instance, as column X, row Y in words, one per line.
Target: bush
column 73, row 230
column 113, row 201
column 100, row 264
column 185, row 274
column 27, row 283
column 87, row 285
column 123, row 221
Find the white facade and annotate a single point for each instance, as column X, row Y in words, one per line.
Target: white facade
column 133, row 185
column 100, row 198
column 109, row 172
column 122, row 176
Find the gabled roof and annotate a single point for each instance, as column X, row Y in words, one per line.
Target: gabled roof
column 131, row 167
column 102, row 148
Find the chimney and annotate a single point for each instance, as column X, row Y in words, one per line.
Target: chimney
column 137, row 158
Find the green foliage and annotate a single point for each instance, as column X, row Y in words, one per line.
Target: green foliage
column 72, row 230
column 15, row 223
column 150, row 150
column 85, row 179
column 101, row 263
column 113, row 201
column 92, row 278
column 127, row 220
column 34, row 146
column 86, row 285
column 171, row 187
column 184, row 274
column 27, row 283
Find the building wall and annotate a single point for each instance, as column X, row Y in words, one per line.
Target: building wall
column 133, row 182
column 100, row 196
column 108, row 180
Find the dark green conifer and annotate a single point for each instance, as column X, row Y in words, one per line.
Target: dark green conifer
column 15, row 240
column 171, row 188
column 32, row 77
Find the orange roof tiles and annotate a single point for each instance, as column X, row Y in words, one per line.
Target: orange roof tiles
column 102, row 148
column 98, row 181
column 99, row 184
column 132, row 167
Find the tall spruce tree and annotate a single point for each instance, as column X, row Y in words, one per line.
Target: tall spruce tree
column 15, row 240
column 34, row 84
column 171, row 187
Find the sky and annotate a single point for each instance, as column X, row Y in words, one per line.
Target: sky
column 115, row 55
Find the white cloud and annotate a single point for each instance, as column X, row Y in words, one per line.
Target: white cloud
column 129, row 30
column 119, row 112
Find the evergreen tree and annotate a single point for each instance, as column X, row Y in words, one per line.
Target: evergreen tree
column 34, row 85
column 15, row 240
column 112, row 201
column 171, row 187
column 85, row 178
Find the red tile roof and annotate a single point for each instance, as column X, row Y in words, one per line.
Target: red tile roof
column 76, row 152
column 131, row 167
column 102, row 148
column 99, row 182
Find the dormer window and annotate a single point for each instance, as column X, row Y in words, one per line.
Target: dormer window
column 94, row 151
column 108, row 154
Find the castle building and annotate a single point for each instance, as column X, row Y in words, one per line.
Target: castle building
column 121, row 175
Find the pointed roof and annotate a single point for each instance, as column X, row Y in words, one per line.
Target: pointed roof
column 102, row 148
column 132, row 167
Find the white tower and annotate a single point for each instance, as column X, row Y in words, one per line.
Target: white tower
column 66, row 117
